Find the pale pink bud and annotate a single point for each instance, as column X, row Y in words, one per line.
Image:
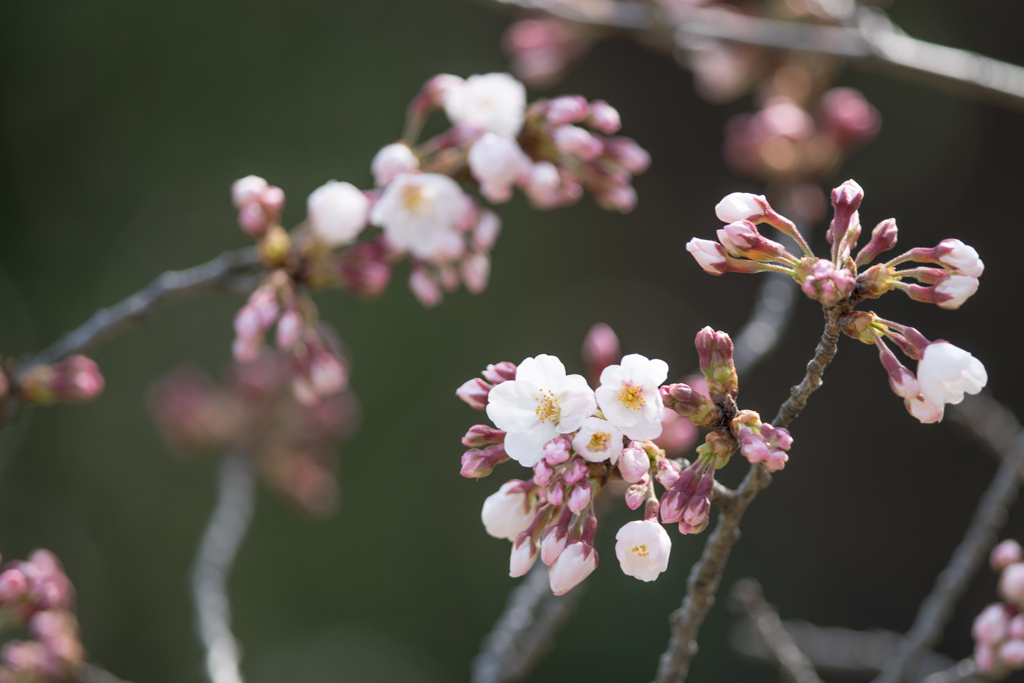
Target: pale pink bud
column 553, row 543
column 621, row 198
column 956, row 255
column 246, row 349
column 289, row 329
column 575, row 141
column 486, row 231
column 741, row 206
column 496, row 162
column 246, row 190
column 424, row 287
column 556, row 451
column 253, row 220
column 984, row 658
column 633, row 463
column 575, row 564
column 542, row 473
column 566, row 109
column 628, row 154
column 13, row 585
column 579, row 497
column 828, row 284
column 482, row 435
column 477, row 463
column 1011, row 653
column 709, row 255
column 337, row 213
column 1006, row 553
column 741, row 238
column 474, row 392
column 576, row 471
column 500, row 372
column 1011, row 584
column 604, row 117
column 556, row 493
column 923, row 411
column 696, row 511
column 883, row 238
column 524, row 554
column 668, row 472
column 542, row 183
column 954, row 290
column 776, row 460
column 272, row 200
column 600, row 349
column 849, row 118
column 508, row 511
column 991, row 625
column 1016, row 627
column 637, row 493
column 476, row 271
column 391, row 161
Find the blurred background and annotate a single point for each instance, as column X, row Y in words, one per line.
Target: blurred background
column 124, row 124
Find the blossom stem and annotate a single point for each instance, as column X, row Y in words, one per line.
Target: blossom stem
column 236, row 493
column 984, row 417
column 706, row 574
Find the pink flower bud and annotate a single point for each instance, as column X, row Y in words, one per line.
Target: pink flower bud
column 573, row 565
column 741, row 206
column 847, row 117
column 474, row 392
column 524, row 554
column 542, row 473
column 696, row 512
column 289, row 329
column 486, row 230
column 556, row 451
column 477, row 463
column 637, row 493
column 482, row 435
column 956, row 255
column 579, row 497
column 984, row 658
column 628, row 154
column 500, row 372
column 883, row 238
column 424, row 287
column 714, row 350
column 553, row 543
column 633, row 463
column 13, row 585
column 392, row 161
column 848, row 196
column 577, row 142
column 1011, row 584
column 253, row 220
column 246, row 190
column 741, row 238
column 556, row 492
column 272, row 201
column 566, row 109
column 604, row 117
column 991, row 625
column 709, row 255
column 576, row 471
column 600, row 349
column 1011, row 653
column 496, row 162
column 668, row 472
column 825, row 283
column 1006, row 553
column 476, row 271
column 1016, row 627
column 621, row 198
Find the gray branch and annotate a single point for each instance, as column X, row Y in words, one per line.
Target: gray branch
column 870, row 41
column 793, row 663
column 107, row 322
column 236, row 492
column 91, row 673
column 979, row 414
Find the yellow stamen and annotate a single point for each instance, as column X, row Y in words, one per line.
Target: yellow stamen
column 599, row 441
column 641, row 550
column 414, row 199
column 632, row 396
column 548, row 408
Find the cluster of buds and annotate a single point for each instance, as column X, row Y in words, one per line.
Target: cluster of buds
column 999, row 630
column 36, row 595
column 783, row 141
column 577, row 440
column 945, row 372
column 318, row 368
column 256, row 413
column 495, row 143
column 72, row 380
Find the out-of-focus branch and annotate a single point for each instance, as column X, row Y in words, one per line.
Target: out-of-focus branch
column 90, row 673
column 793, row 663
column 840, row 650
column 533, row 615
column 236, row 493
column 706, row 575
column 962, row 672
column 871, row 41
column 979, row 414
column 107, row 322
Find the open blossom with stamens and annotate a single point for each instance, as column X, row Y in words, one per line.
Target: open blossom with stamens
column 420, row 212
column 541, row 403
column 598, row 440
column 493, row 102
column 629, row 396
column 643, row 549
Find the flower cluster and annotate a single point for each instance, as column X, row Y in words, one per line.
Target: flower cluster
column 36, row 594
column 579, row 440
column 73, row 380
column 999, row 630
column 944, row 372
column 255, row 413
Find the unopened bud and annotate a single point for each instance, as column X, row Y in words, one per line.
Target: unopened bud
column 715, row 352
column 500, row 372
column 482, row 435
column 274, row 247
column 690, row 403
column 600, row 349
column 474, row 393
column 1006, row 553
column 883, row 238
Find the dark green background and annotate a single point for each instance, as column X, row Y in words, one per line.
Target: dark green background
column 125, row 122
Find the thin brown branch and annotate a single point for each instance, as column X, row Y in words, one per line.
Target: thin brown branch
column 872, row 42
column 969, row 555
column 107, row 322
column 706, row 574
column 794, row 664
column 961, row 672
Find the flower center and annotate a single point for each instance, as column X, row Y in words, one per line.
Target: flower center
column 632, row 396
column 599, row 441
column 640, row 550
column 547, row 407
column 415, row 200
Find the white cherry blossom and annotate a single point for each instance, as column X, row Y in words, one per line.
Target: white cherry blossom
column 419, row 212
column 494, row 102
column 576, row 563
column 391, row 161
column 497, row 161
column 629, row 398
column 740, row 206
column 947, row 372
column 538, row 405
column 598, row 440
column 337, row 212
column 643, row 548
column 507, row 512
